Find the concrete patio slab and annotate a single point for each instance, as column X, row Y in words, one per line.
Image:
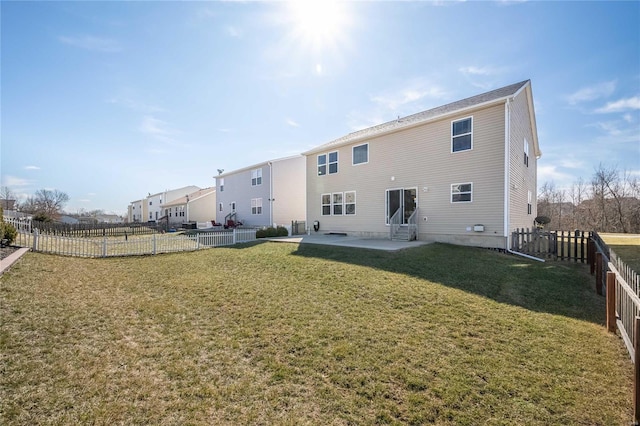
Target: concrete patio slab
column 349, row 241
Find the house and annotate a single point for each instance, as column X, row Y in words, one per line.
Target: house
column 136, row 211
column 271, row 193
column 109, row 218
column 462, row 173
column 198, row 206
column 149, row 209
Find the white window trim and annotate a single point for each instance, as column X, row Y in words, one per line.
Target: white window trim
column 322, row 205
column 341, row 204
column 329, row 162
column 326, row 164
column 221, row 184
column 529, row 202
column 255, row 175
column 353, row 156
column 344, row 203
column 526, row 152
column 463, row 134
column 460, row 202
column 256, row 203
column 220, row 206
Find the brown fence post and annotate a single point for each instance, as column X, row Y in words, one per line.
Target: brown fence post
column 591, row 251
column 636, row 375
column 611, row 302
column 599, row 273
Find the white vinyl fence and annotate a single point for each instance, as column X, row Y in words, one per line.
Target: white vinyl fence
column 131, row 246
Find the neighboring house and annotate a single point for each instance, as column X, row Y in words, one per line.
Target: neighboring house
column 7, row 204
column 151, row 210
column 68, row 220
column 271, row 193
column 109, row 218
column 136, row 211
column 462, row 173
column 198, row 206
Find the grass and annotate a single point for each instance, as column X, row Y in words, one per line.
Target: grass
column 276, row 333
column 626, row 246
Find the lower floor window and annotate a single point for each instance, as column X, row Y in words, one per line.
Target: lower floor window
column 461, row 192
column 325, row 200
column 256, row 206
column 529, row 206
column 350, row 202
column 336, row 203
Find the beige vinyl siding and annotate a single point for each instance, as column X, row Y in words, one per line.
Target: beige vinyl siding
column 288, row 190
column 522, row 178
column 203, row 209
column 421, row 158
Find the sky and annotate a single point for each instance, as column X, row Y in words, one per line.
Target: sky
column 111, row 101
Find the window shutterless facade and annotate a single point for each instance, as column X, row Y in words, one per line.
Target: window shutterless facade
column 529, row 205
column 360, row 154
column 256, row 206
column 322, row 164
column 336, row 203
column 221, row 184
column 325, row 201
column 462, row 134
column 461, row 192
column 333, row 162
column 256, row 177
column 526, row 153
column 350, row 203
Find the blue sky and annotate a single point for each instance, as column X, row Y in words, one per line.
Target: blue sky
column 109, row 101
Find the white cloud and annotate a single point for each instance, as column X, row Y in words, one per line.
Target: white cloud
column 96, row 44
column 408, row 95
column 473, row 70
column 292, row 123
column 233, row 31
column 621, row 105
column 135, row 105
column 14, row 181
column 590, row 93
column 31, row 168
column 551, row 173
column 158, row 129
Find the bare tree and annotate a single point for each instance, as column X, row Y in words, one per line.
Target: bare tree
column 8, row 197
column 46, row 203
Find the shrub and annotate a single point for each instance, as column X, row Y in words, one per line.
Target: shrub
column 7, row 232
column 280, row 231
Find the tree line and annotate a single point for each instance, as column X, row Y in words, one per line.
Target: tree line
column 45, row 205
column 608, row 202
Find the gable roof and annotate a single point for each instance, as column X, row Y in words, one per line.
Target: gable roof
column 255, row 166
column 493, row 96
column 190, row 197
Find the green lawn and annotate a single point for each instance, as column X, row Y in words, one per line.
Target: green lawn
column 626, row 246
column 277, row 333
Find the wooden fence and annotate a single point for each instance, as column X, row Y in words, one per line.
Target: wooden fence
column 131, row 246
column 621, row 285
column 557, row 245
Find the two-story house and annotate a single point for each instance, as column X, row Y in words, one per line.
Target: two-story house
column 271, row 193
column 149, row 209
column 198, row 206
column 462, row 173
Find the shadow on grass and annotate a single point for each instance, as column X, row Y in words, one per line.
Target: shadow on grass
column 556, row 288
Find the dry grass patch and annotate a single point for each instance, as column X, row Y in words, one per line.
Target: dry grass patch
column 627, row 246
column 276, row 333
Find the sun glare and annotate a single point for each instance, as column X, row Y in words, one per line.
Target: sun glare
column 320, row 24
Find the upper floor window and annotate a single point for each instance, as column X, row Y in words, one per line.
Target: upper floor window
column 322, row 164
column 361, row 154
column 256, row 177
column 462, row 134
column 526, row 153
column 461, row 192
column 333, row 162
column 221, row 184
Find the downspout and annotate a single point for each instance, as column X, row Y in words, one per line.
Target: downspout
column 270, row 193
column 525, row 255
column 507, row 170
